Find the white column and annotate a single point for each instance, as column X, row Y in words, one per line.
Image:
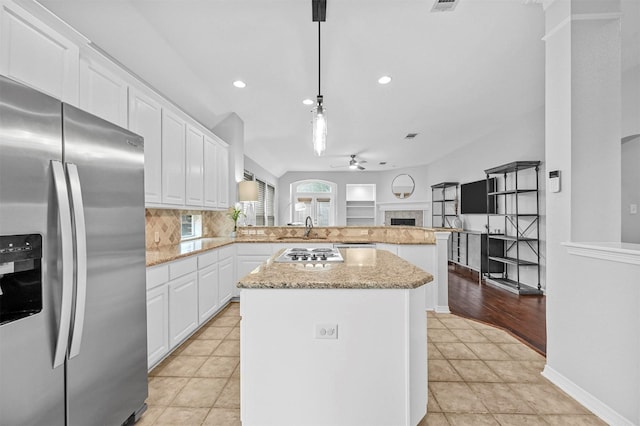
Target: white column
column 582, row 141
column 442, row 273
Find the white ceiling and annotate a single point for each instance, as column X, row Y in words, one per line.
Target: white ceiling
column 456, row 75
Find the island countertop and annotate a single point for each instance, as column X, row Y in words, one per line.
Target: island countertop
column 363, row 268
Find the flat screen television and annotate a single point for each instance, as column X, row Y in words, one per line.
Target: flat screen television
column 473, row 197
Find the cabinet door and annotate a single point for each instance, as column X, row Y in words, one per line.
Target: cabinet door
column 103, row 92
column 223, row 176
column 157, row 324
column 211, row 180
column 145, row 119
column 227, row 283
column 194, row 167
column 173, row 164
column 36, row 55
column 207, row 292
column 183, row 307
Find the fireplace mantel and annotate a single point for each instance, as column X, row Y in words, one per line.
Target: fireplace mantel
column 404, row 205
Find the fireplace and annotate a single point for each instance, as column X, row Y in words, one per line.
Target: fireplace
column 404, row 218
column 403, row 221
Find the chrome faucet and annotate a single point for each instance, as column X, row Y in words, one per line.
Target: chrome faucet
column 308, row 226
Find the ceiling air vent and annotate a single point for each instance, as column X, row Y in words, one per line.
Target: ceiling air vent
column 411, row 135
column 444, row 5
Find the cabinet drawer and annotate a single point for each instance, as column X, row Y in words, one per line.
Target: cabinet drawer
column 182, row 267
column 254, row 249
column 226, row 251
column 208, row 258
column 157, row 275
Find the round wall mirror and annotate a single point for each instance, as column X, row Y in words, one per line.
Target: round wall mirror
column 402, row 186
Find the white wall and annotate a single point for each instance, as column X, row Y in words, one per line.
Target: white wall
column 631, row 101
column 630, row 190
column 382, row 180
column 231, row 130
column 523, row 139
column 592, row 305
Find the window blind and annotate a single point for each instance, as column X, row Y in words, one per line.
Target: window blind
column 271, row 196
column 260, row 205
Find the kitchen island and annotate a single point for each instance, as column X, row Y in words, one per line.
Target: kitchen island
column 334, row 343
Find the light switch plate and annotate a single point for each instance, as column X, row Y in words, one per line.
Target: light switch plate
column 633, row 209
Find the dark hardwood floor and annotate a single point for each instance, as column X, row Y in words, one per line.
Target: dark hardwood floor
column 522, row 316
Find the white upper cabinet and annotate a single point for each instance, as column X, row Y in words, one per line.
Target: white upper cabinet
column 34, row 54
column 103, row 92
column 145, row 119
column 210, row 172
column 184, row 163
column 194, row 167
column 173, row 158
column 223, row 175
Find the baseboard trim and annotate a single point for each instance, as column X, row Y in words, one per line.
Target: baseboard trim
column 442, row 309
column 592, row 403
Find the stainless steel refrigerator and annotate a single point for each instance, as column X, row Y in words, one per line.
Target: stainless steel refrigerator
column 72, row 265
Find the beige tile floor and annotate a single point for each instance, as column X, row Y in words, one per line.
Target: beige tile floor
column 478, row 375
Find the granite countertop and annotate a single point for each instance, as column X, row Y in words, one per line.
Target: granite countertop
column 363, row 268
column 184, row 249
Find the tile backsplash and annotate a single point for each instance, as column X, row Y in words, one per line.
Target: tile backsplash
column 167, row 224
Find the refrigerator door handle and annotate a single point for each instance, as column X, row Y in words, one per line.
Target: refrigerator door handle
column 81, row 258
column 64, row 214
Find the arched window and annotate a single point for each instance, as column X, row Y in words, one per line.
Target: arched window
column 315, row 198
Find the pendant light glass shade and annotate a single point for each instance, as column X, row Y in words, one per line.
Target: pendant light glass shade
column 319, row 130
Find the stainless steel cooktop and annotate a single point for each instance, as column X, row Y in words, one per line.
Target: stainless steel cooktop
column 310, row 255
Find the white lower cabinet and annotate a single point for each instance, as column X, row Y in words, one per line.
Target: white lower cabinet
column 208, row 290
column 183, row 294
column 157, row 324
column 183, row 308
column 227, row 283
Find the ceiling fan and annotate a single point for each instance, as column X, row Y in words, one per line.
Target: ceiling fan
column 353, row 164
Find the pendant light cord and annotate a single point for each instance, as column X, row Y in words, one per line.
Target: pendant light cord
column 319, row 91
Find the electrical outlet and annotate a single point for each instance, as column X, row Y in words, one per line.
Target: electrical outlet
column 156, row 237
column 633, row 209
column 326, row 331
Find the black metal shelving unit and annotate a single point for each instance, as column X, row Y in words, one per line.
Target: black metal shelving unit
column 520, row 232
column 441, row 195
column 469, row 249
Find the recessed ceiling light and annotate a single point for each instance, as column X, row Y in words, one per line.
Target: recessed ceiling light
column 240, row 84
column 385, row 79
column 307, row 102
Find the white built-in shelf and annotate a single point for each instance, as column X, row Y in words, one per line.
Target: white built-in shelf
column 361, row 204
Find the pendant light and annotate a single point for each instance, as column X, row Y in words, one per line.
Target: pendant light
column 319, row 113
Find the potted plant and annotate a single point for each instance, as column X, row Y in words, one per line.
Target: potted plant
column 235, row 213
